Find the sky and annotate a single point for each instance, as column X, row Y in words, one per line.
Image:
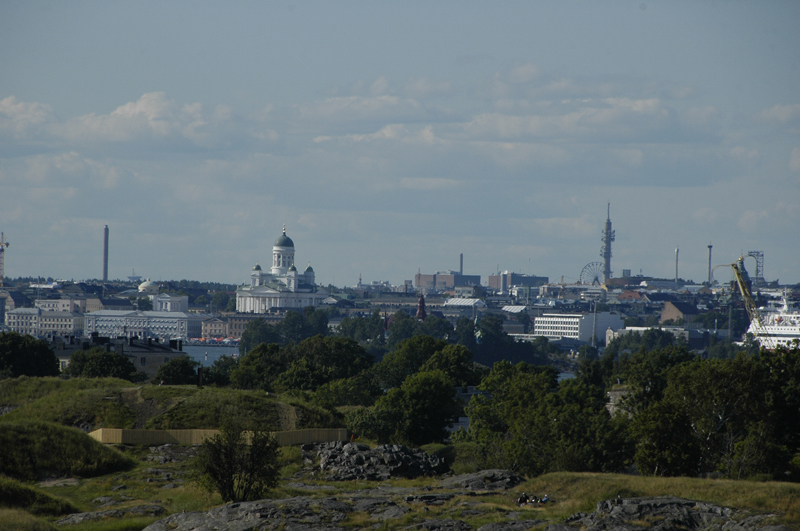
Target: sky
column 390, row 137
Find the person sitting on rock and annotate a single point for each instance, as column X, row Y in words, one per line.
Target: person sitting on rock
column 546, row 498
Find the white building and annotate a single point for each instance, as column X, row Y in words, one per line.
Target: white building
column 283, row 287
column 579, row 326
column 38, row 323
column 165, row 325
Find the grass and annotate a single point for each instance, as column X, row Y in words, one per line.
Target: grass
column 19, row 520
column 17, row 495
column 34, row 449
column 95, row 407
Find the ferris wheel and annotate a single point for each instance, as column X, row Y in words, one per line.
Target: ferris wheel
column 592, row 273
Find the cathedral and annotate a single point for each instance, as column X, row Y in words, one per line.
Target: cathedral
column 283, row 286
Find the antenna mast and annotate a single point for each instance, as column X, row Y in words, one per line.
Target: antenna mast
column 608, row 237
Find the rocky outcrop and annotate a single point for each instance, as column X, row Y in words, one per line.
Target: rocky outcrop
column 665, row 514
column 386, row 506
column 493, row 479
column 139, row 510
column 350, row 461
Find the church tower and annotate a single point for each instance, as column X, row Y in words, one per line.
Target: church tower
column 282, row 254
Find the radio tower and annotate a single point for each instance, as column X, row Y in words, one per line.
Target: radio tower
column 605, row 252
column 3, row 245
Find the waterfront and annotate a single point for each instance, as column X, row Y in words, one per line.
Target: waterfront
column 208, row 354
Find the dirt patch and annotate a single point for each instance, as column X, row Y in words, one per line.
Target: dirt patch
column 287, row 417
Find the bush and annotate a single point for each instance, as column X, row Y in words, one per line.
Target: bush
column 240, row 465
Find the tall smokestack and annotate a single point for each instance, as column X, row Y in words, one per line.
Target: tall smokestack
column 105, row 254
column 709, row 264
column 461, row 264
column 676, row 266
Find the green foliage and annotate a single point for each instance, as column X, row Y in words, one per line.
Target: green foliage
column 646, row 373
column 359, row 390
column 240, row 465
column 294, row 328
column 30, row 448
column 97, row 363
column 260, row 367
column 424, row 406
column 407, row 359
column 220, row 371
column 25, row 355
column 178, row 371
column 650, row 339
column 735, row 417
column 456, row 362
column 20, row 520
column 319, row 360
column 530, row 423
column 16, row 494
column 364, row 329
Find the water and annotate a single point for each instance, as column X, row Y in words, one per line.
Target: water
column 208, row 354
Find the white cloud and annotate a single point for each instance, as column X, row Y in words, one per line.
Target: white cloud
column 379, row 87
column 781, row 113
column 794, row 160
column 523, row 73
column 421, row 88
column 19, row 119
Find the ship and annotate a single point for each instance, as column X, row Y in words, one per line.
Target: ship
column 780, row 326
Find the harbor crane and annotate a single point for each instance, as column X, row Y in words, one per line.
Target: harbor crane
column 757, row 324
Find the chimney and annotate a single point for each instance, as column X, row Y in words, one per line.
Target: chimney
column 105, row 254
column 461, row 265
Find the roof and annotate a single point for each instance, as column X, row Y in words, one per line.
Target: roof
column 514, row 309
column 476, row 303
column 284, row 240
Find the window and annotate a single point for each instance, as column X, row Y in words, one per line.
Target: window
column 144, row 361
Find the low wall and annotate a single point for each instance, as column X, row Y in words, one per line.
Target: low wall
column 190, row 437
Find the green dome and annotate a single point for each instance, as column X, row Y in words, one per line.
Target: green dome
column 257, row 268
column 293, row 268
column 284, row 240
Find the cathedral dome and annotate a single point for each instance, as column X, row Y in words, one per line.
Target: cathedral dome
column 293, row 268
column 148, row 286
column 284, row 240
column 309, row 268
column 257, row 267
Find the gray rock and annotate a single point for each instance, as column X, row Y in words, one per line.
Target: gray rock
column 104, row 501
column 520, row 525
column 352, row 461
column 492, row 479
column 140, row 510
column 442, row 525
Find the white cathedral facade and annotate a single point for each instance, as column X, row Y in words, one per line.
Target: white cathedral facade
column 282, row 287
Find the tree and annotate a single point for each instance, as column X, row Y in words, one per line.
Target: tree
column 256, row 332
column 406, row 359
column 401, row 328
column 318, row 360
column 419, row 411
column 178, row 371
column 97, row 363
column 238, row 464
column 220, row 371
column 456, row 362
column 25, row 355
column 260, row 367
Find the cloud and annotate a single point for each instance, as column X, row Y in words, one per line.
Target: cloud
column 19, row 119
column 794, row 160
column 422, row 88
column 781, row 114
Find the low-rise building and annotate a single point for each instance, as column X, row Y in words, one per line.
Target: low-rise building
column 578, row 326
column 165, row 325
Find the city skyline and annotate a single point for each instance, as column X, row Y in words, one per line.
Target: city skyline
column 392, row 138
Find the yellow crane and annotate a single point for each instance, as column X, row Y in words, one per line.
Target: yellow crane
column 757, row 324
